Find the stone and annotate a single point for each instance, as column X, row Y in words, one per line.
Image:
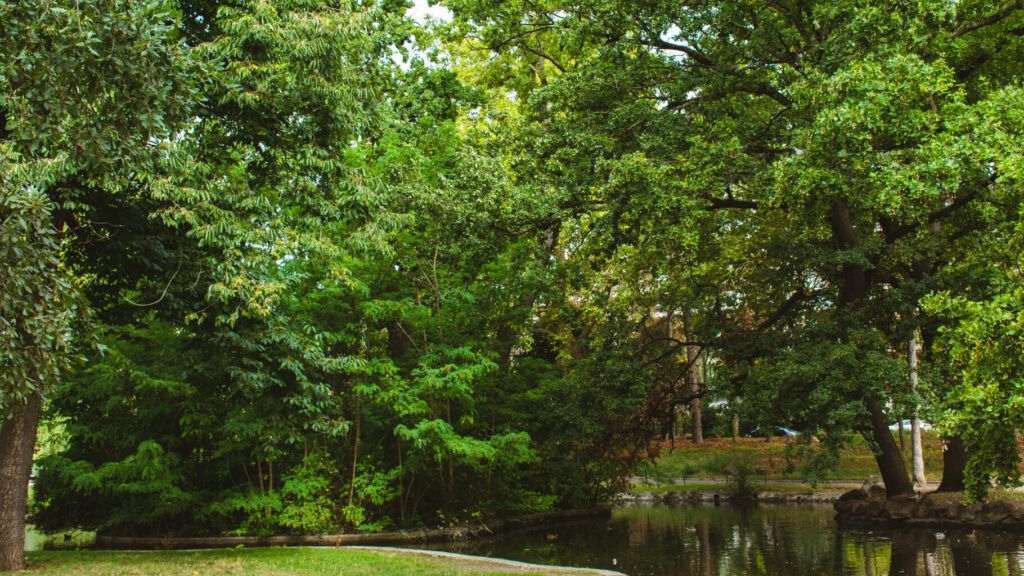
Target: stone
column 969, row 513
column 900, row 508
column 876, row 491
column 873, row 508
column 855, row 494
column 996, row 511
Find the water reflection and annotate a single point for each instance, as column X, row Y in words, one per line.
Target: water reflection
column 783, row 539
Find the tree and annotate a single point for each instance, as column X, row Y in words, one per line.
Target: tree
column 101, row 104
column 827, row 143
column 88, row 90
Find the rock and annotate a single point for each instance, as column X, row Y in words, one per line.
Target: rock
column 873, row 509
column 996, row 511
column 855, row 494
column 969, row 513
column 874, row 487
column 876, row 491
column 900, row 508
column 925, row 508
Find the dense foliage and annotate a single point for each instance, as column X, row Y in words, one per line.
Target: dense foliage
column 323, row 267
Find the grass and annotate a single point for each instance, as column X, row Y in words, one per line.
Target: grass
column 756, row 484
column 767, row 460
column 269, row 562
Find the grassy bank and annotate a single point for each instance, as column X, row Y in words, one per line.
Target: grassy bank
column 767, row 461
column 270, row 562
column 758, row 486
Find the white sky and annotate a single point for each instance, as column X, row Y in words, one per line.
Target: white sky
column 421, row 10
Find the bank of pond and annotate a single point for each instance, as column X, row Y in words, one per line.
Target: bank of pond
column 655, row 539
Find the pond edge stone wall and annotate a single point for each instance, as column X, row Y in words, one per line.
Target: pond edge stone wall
column 928, row 510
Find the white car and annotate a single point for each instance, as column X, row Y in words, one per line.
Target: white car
column 906, row 425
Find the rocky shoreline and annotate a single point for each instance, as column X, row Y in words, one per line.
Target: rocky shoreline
column 862, row 506
column 721, row 496
column 928, row 510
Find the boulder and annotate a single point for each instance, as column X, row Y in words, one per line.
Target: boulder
column 970, row 512
column 855, row 494
column 900, row 508
column 996, row 511
column 876, row 491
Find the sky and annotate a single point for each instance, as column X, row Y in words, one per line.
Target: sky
column 421, row 9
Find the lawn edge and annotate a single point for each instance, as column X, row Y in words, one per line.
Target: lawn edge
column 535, row 568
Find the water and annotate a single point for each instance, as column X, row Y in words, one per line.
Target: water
column 34, row 540
column 791, row 540
column 68, row 540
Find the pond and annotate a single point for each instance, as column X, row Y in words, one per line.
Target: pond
column 787, row 540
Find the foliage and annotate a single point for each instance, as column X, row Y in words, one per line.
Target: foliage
column 334, row 291
column 984, row 408
column 39, row 306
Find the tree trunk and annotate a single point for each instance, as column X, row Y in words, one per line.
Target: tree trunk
column 694, row 382
column 919, row 479
column 954, row 458
column 853, row 290
column 17, row 442
column 920, row 482
column 889, row 458
column 698, row 424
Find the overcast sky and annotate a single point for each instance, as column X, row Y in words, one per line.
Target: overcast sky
column 421, row 9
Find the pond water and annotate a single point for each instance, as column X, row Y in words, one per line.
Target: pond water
column 790, row 540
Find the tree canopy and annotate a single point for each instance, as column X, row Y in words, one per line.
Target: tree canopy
column 311, row 265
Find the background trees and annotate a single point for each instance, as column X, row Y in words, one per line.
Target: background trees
column 834, row 154
column 328, row 289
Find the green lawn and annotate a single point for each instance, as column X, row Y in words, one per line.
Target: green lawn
column 268, row 562
column 767, row 460
column 757, row 485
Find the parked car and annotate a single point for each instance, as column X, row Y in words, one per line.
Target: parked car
column 906, row 425
column 777, row 431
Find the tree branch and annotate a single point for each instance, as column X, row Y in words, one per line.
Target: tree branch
column 726, row 203
column 544, row 55
column 790, row 303
column 989, row 20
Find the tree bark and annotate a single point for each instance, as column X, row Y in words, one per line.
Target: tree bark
column 853, row 291
column 954, row 458
column 917, row 450
column 17, row 442
column 920, row 482
column 693, row 379
column 889, row 459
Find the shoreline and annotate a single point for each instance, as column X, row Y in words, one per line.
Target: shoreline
column 405, row 537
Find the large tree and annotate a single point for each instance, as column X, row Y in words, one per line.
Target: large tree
column 89, row 93
column 834, row 147
column 217, row 145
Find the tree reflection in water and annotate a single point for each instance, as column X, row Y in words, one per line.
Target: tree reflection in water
column 786, row 540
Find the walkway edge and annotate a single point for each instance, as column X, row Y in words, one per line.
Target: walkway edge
column 539, row 568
